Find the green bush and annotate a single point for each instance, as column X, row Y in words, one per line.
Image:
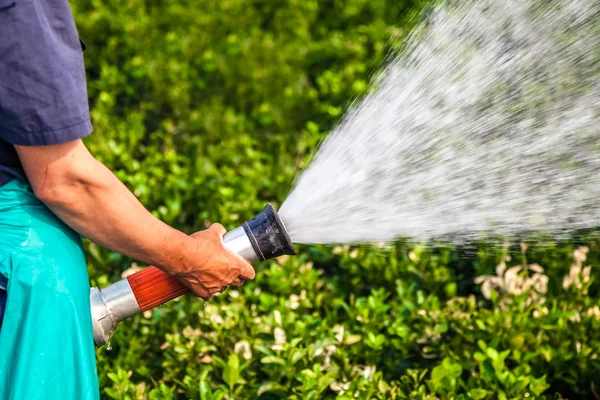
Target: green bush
column 207, row 110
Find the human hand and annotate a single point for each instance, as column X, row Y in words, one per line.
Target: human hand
column 209, row 267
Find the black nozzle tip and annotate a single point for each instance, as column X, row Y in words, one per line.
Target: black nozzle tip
column 268, row 235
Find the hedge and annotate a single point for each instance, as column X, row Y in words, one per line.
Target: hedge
column 207, row 110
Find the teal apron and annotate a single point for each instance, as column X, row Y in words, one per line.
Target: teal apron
column 46, row 343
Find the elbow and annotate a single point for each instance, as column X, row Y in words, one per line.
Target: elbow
column 57, row 188
column 50, row 192
column 60, row 174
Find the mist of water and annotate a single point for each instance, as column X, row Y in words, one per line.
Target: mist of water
column 489, row 121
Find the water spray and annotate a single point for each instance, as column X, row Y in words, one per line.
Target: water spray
column 258, row 239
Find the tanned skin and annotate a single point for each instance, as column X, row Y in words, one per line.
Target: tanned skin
column 89, row 198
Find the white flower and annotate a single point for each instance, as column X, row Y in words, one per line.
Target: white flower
column 576, row 318
column 339, row 332
column 523, row 247
column 294, row 301
column 243, row 347
column 501, row 268
column 280, row 337
column 277, row 316
column 536, row 268
column 412, row 256
column 486, row 289
column 511, row 278
column 595, row 311
column 540, row 283
column 369, row 371
column 514, row 281
column 282, row 259
column 578, row 274
column 339, row 387
column 327, row 350
column 131, row 270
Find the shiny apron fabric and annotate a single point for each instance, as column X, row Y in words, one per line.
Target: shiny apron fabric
column 3, row 283
column 46, row 342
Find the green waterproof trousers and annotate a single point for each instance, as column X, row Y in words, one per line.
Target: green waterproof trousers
column 46, row 344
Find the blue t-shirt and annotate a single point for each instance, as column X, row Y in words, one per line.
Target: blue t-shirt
column 43, row 94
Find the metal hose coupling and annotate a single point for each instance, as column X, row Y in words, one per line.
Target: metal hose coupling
column 261, row 238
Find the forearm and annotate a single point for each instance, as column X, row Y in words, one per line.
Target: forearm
column 89, row 198
column 98, row 206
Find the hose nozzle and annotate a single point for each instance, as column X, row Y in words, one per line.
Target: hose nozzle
column 258, row 239
column 267, row 235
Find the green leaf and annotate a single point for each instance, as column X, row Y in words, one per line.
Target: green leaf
column 296, row 356
column 438, row 373
column 517, row 341
column 114, row 377
column 487, row 371
column 455, row 371
column 231, row 373
column 270, row 387
column 205, row 391
column 481, row 344
column 479, row 356
column 272, row 360
column 311, row 395
column 477, row 394
column 112, row 393
column 492, row 353
column 451, row 289
column 538, row 386
column 264, row 350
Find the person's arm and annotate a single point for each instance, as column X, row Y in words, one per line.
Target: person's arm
column 44, row 113
column 89, row 198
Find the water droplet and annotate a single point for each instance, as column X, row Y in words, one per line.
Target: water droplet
column 108, row 346
column 205, row 303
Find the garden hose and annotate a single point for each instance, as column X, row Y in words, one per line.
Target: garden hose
column 261, row 238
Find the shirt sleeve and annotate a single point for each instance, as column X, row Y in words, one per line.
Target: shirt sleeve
column 43, row 93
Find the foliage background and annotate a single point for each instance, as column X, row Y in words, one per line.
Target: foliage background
column 207, row 110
